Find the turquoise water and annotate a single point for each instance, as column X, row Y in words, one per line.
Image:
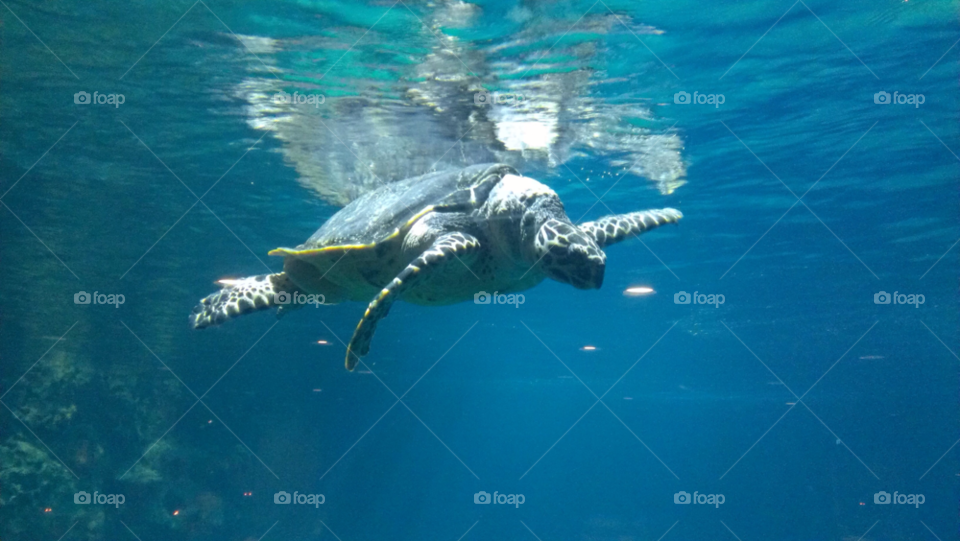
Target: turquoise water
column 798, row 399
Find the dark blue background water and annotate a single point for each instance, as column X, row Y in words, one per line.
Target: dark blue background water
column 694, row 398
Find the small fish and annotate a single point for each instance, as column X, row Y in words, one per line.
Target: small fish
column 871, row 357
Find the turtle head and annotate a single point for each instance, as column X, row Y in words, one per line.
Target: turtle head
column 568, row 255
column 548, row 240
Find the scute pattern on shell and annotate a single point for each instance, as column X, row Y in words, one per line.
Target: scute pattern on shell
column 377, row 215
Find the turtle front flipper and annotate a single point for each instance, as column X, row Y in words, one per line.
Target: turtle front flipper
column 240, row 297
column 617, row 227
column 444, row 251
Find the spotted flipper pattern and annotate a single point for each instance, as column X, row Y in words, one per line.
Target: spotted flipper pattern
column 241, row 297
column 617, row 227
column 442, row 252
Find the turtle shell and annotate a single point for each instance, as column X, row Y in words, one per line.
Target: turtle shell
column 386, row 212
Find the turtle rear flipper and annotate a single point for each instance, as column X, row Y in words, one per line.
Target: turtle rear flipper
column 242, row 296
column 445, row 250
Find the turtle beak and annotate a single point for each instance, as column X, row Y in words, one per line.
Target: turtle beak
column 598, row 276
column 588, row 271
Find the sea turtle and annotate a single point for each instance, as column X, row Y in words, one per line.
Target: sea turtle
column 435, row 239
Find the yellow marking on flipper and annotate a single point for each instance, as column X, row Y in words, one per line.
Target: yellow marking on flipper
column 316, row 251
column 346, row 362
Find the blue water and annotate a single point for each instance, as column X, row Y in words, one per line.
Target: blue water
column 798, row 399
